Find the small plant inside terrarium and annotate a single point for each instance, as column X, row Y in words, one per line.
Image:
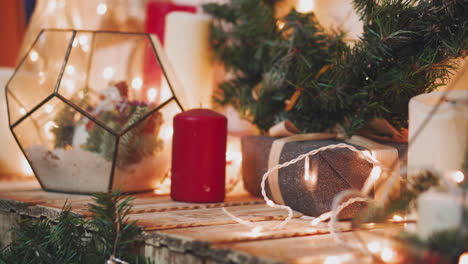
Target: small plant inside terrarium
column 117, row 112
column 107, row 120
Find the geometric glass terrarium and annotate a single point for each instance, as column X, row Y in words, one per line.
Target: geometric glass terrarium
column 92, row 110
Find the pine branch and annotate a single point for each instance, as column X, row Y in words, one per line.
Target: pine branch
column 72, row 239
column 407, row 48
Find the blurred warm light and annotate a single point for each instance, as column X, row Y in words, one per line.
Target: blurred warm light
column 332, row 260
column 83, row 39
column 101, row 9
column 70, row 69
column 234, row 156
column 255, row 232
column 151, row 94
column 166, row 132
column 22, row 111
column 48, row 108
column 25, row 168
column 463, row 258
column 51, row 5
column 375, row 173
column 137, row 83
column 280, row 24
column 165, row 91
column 397, row 218
column 108, row 73
column 305, row 6
column 388, row 254
column 75, row 42
column 374, row 247
column 162, row 188
column 458, row 177
column 84, row 42
column 85, row 48
column 233, row 153
column 69, row 85
column 233, row 161
column 42, row 77
column 47, row 129
column 310, row 175
column 33, row 55
column 338, row 259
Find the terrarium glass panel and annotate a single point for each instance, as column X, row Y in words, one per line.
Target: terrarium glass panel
column 105, row 121
column 112, row 76
column 145, row 149
column 46, row 137
column 37, row 74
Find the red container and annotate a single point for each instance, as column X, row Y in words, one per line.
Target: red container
column 199, row 156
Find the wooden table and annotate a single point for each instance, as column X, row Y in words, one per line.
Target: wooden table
column 177, row 232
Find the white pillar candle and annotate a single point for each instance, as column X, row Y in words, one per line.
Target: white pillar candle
column 443, row 143
column 438, row 211
column 188, row 49
column 12, row 160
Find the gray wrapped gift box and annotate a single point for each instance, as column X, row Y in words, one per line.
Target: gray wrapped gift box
column 338, row 169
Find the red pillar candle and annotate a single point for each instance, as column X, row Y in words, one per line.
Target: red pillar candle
column 199, row 156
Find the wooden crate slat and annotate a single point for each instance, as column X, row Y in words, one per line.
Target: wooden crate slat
column 314, row 249
column 231, row 233
column 207, row 217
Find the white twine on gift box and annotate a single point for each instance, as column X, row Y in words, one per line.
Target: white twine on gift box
column 373, row 177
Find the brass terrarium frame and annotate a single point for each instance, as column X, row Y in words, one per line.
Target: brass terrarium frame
column 167, row 73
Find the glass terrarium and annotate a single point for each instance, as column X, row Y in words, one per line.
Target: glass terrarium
column 92, row 110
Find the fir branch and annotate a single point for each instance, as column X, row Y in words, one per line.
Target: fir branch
column 401, row 201
column 73, row 239
column 407, row 48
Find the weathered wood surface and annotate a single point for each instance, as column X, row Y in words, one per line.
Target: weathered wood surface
column 177, row 232
column 206, row 217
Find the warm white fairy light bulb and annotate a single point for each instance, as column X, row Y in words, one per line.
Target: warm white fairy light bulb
column 101, row 9
column 305, row 6
column 463, row 258
column 22, row 111
column 152, row 94
column 83, row 39
column 388, row 254
column 137, row 83
column 397, row 218
column 69, row 85
column 47, row 129
column 70, row 69
column 458, row 177
column 42, row 78
column 332, row 260
column 33, row 56
column 108, row 73
column 280, row 24
column 48, row 108
column 374, row 247
column 307, row 169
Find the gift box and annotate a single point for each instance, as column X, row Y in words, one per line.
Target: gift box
column 337, row 170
